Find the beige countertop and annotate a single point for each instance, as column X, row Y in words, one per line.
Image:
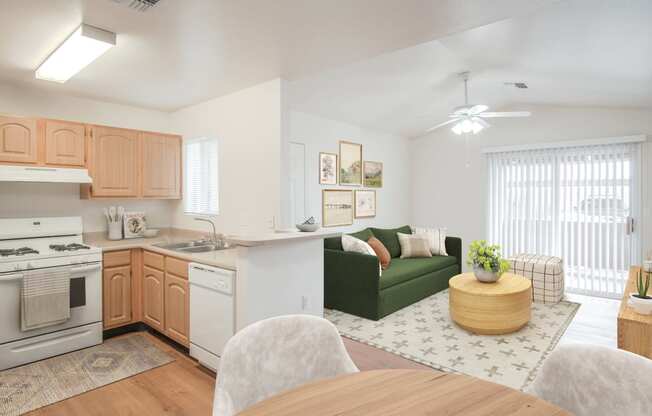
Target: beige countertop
column 280, row 237
column 221, row 258
column 226, row 259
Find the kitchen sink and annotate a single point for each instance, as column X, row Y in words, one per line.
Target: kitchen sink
column 200, row 249
column 192, row 246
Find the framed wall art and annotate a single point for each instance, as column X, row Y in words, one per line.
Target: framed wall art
column 365, row 204
column 350, row 163
column 328, row 168
column 337, row 207
column 373, row 174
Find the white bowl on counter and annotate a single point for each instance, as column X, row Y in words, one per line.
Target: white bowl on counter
column 308, row 228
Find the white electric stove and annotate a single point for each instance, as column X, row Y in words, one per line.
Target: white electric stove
column 48, row 244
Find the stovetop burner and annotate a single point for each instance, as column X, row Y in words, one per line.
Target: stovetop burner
column 17, row 251
column 68, row 247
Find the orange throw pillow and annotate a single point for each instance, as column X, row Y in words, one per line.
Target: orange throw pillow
column 381, row 252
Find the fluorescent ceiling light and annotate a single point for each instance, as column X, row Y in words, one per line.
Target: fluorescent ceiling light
column 82, row 47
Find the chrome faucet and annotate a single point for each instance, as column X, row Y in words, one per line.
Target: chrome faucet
column 214, row 237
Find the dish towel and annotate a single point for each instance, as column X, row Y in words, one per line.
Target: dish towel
column 45, row 298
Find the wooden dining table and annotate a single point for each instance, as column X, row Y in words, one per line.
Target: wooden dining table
column 403, row 392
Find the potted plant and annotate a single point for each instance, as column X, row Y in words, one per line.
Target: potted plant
column 640, row 301
column 488, row 264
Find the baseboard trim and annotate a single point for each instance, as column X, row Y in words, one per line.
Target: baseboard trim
column 142, row 327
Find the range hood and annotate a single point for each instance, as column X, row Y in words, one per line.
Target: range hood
column 43, row 174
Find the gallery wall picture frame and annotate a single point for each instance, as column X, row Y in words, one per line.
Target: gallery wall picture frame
column 328, row 168
column 373, row 174
column 350, row 163
column 337, row 207
column 365, row 203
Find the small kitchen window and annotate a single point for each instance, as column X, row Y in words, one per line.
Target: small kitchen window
column 201, row 193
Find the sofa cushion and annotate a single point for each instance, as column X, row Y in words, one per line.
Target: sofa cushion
column 335, row 243
column 388, row 237
column 402, row 270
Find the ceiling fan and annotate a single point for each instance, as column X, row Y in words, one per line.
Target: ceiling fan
column 471, row 118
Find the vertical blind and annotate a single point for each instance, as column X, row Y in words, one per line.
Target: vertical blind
column 201, row 177
column 577, row 203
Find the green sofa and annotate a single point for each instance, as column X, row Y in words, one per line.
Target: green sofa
column 352, row 284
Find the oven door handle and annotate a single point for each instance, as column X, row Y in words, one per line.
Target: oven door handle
column 11, row 277
column 84, row 269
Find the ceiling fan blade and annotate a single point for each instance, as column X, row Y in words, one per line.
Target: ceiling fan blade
column 441, row 125
column 478, row 108
column 505, row 114
column 481, row 121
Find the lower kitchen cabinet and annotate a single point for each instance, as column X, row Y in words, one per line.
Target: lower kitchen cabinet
column 177, row 309
column 153, row 298
column 141, row 285
column 117, row 296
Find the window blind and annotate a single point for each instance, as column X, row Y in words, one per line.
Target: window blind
column 201, row 193
column 577, row 203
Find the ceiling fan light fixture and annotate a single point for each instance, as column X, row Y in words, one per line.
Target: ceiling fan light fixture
column 467, row 126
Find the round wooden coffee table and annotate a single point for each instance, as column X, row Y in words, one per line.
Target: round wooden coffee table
column 490, row 308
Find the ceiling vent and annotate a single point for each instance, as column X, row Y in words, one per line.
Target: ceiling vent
column 140, row 5
column 521, row 85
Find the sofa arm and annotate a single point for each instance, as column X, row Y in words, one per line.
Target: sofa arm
column 351, row 282
column 454, row 248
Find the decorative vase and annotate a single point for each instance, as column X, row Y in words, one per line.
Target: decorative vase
column 485, row 276
column 640, row 305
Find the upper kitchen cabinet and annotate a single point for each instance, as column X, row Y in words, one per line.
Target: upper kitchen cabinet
column 161, row 168
column 65, row 143
column 18, row 140
column 115, row 161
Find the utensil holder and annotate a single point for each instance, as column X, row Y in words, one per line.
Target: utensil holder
column 115, row 231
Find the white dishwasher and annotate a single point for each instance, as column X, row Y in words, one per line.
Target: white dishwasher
column 212, row 318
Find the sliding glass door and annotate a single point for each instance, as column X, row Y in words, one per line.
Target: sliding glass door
column 580, row 203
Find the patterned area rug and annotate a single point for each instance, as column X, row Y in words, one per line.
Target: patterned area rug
column 35, row 385
column 425, row 333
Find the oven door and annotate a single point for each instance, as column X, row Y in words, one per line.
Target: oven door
column 85, row 302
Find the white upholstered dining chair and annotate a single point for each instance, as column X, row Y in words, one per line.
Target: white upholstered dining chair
column 591, row 380
column 274, row 355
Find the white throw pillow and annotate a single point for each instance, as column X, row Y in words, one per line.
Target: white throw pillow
column 436, row 237
column 414, row 246
column 355, row 245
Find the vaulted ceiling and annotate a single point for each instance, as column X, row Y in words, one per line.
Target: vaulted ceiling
column 590, row 53
column 183, row 52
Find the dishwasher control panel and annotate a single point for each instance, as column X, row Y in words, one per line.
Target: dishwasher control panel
column 212, row 278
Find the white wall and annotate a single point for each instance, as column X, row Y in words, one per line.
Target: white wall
column 323, row 135
column 447, row 192
column 26, row 102
column 23, row 200
column 248, row 126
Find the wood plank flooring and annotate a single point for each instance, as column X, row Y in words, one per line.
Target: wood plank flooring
column 185, row 388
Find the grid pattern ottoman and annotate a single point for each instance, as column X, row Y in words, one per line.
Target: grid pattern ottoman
column 546, row 274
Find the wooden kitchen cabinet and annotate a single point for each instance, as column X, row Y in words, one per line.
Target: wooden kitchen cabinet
column 117, row 296
column 161, row 166
column 18, row 140
column 177, row 309
column 145, row 286
column 115, row 162
column 65, row 143
column 153, row 298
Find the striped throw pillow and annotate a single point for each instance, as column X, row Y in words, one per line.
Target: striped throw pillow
column 436, row 237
